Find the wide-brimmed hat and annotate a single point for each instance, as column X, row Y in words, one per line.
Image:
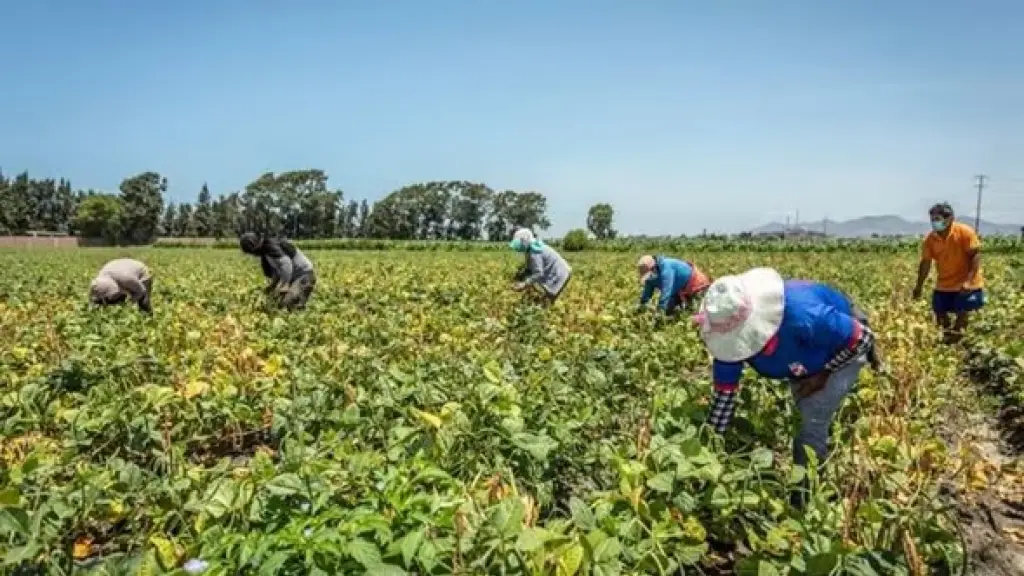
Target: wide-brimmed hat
column 741, row 313
column 646, row 267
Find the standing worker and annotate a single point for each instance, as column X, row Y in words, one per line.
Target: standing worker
column 120, row 280
column 679, row 282
column 804, row 332
column 289, row 272
column 959, row 290
column 544, row 266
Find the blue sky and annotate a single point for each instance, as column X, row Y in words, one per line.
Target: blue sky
column 683, row 115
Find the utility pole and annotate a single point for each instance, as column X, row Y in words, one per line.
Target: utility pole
column 977, row 211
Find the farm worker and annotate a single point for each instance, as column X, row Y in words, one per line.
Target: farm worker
column 956, row 250
column 121, row 279
column 544, row 266
column 679, row 282
column 286, row 268
column 804, row 332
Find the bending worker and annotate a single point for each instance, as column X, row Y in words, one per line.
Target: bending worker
column 679, row 282
column 289, row 273
column 544, row 267
column 120, row 280
column 803, row 332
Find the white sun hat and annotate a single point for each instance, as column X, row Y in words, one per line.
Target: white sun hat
column 645, row 267
column 740, row 313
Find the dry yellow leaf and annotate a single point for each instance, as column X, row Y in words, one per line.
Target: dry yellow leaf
column 82, row 548
column 427, row 418
column 195, row 388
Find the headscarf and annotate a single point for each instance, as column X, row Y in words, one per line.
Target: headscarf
column 523, row 240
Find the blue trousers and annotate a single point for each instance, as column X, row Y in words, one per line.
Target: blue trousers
column 818, row 410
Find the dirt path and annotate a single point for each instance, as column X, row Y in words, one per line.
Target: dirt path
column 990, row 498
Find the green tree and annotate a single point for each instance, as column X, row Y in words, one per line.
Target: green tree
column 469, row 210
column 511, row 210
column 363, row 225
column 169, row 219
column 575, row 240
column 599, row 221
column 185, row 223
column 98, row 216
column 348, row 221
column 204, row 219
column 142, row 204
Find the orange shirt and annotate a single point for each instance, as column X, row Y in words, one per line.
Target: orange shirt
column 952, row 257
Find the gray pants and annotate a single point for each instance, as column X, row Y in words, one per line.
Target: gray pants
column 299, row 291
column 818, row 409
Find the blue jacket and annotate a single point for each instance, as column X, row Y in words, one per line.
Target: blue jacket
column 817, row 323
column 670, row 276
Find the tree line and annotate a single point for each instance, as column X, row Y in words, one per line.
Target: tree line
column 298, row 204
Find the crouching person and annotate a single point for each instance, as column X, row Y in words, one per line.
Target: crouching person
column 679, row 283
column 803, row 332
column 289, row 273
column 122, row 280
column 544, row 266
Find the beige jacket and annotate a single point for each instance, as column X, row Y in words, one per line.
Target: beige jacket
column 121, row 276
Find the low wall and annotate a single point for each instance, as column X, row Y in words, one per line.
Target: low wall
column 42, row 242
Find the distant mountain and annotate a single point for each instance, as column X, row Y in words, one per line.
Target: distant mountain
column 867, row 226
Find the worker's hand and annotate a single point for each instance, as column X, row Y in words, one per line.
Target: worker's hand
column 519, row 286
column 916, row 295
column 966, row 287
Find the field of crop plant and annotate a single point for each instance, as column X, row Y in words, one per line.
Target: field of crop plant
column 421, row 418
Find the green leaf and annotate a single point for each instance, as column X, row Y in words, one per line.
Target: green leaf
column 538, row 445
column 582, row 515
column 531, row 539
column 507, row 518
column 822, row 563
column 272, row 566
column 607, row 550
column 10, row 496
column 400, row 377
column 20, row 554
column 720, row 497
column 164, row 552
column 762, row 458
column 222, row 499
column 662, row 482
column 570, row 560
column 286, row 484
column 409, row 544
column 14, row 521
column 797, row 474
column 492, row 371
column 364, row 552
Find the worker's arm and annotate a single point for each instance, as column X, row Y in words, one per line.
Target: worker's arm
column 535, row 264
column 726, row 377
column 645, row 296
column 668, row 279
column 923, row 268
column 974, row 254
